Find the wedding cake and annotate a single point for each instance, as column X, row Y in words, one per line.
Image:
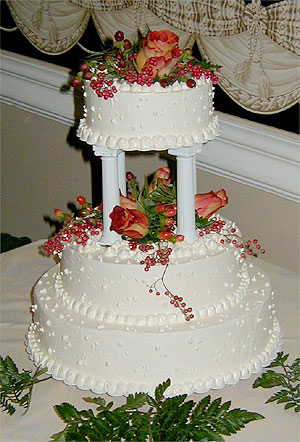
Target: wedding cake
column 122, row 318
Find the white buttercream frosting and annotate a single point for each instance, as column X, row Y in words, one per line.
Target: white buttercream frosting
column 96, row 325
column 149, row 118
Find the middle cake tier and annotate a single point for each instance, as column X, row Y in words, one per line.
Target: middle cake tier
column 111, row 285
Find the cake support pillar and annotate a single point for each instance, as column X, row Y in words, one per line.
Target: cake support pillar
column 186, row 189
column 112, row 182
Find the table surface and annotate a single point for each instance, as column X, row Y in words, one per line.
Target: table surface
column 22, row 267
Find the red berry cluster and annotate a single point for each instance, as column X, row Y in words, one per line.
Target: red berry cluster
column 252, row 248
column 103, row 88
column 78, row 229
column 195, row 71
column 175, row 300
column 144, row 78
column 160, row 256
column 215, row 227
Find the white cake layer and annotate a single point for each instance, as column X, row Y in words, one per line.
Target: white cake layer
column 149, row 118
column 116, row 290
column 119, row 359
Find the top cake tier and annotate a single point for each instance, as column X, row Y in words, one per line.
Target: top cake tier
column 143, row 118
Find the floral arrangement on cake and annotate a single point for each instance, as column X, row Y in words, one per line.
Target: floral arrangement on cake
column 147, row 216
column 144, row 216
column 155, row 57
column 146, row 219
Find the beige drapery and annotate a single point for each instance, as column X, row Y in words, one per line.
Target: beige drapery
column 257, row 46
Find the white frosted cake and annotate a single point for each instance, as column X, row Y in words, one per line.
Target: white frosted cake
column 97, row 327
column 150, row 118
column 163, row 299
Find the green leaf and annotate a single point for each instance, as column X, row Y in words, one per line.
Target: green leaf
column 59, row 437
column 160, row 389
column 269, row 379
column 168, row 419
column 288, row 379
column 236, row 419
column 95, row 400
column 201, row 406
column 136, row 401
column 289, row 405
column 15, row 387
column 278, row 395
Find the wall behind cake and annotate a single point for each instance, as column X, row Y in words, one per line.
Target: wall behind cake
column 41, row 170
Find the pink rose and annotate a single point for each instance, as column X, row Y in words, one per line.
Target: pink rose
column 161, row 176
column 129, row 222
column 159, row 51
column 208, row 203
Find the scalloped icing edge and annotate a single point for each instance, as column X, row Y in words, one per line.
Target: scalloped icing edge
column 100, row 386
column 156, row 142
column 151, row 319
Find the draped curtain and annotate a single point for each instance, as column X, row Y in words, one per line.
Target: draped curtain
column 258, row 47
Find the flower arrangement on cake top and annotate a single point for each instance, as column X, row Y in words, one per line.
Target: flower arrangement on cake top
column 153, row 58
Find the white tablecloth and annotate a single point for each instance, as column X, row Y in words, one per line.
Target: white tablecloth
column 22, row 267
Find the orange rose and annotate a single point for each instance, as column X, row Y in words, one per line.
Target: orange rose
column 208, row 203
column 129, row 222
column 161, row 176
column 159, row 51
column 127, row 202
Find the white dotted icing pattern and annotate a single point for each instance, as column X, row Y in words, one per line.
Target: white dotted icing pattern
column 150, row 118
column 211, row 277
column 75, row 375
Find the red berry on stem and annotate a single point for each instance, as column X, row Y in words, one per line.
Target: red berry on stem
column 129, row 176
column 119, row 36
column 84, row 212
column 179, row 238
column 81, row 200
column 164, row 83
column 127, row 44
column 169, row 222
column 88, row 75
column 171, row 211
column 84, row 67
column 57, row 212
column 190, row 83
column 161, row 208
column 76, row 82
column 165, row 234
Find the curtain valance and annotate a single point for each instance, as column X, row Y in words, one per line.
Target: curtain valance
column 257, row 46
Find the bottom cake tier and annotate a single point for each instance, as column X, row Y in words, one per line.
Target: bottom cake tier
column 120, row 359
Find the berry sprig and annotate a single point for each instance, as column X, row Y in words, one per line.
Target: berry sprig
column 250, row 247
column 161, row 256
column 76, row 228
column 253, row 248
column 175, row 300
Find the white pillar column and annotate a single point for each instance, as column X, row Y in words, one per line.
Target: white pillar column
column 122, row 172
column 186, row 174
column 110, row 189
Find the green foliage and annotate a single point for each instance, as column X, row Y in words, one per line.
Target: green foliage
column 289, row 380
column 171, row 419
column 15, row 387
